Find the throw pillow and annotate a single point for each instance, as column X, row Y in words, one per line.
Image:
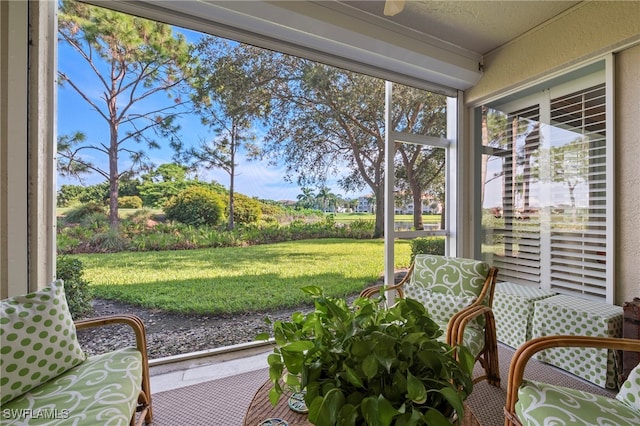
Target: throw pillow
column 38, row 340
column 630, row 389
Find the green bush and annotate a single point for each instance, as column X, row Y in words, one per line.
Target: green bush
column 77, row 214
column 427, row 245
column 130, row 202
column 109, row 241
column 196, row 206
column 76, row 288
column 246, row 210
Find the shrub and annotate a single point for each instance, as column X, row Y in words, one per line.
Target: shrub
column 109, row 241
column 196, row 206
column 427, row 245
column 76, row 288
column 95, row 222
column 77, row 214
column 246, row 210
column 130, row 202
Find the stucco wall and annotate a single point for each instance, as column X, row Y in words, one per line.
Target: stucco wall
column 583, row 32
column 627, row 174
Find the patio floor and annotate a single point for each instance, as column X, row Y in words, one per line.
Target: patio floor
column 215, row 388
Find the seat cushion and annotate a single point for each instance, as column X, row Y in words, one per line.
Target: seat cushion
column 630, row 389
column 103, row 390
column 545, row 404
column 38, row 340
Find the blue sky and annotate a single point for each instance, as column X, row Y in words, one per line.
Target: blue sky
column 253, row 178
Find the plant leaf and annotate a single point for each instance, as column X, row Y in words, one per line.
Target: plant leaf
column 434, row 417
column 415, row 389
column 370, row 366
column 454, row 399
column 324, row 410
column 377, row 411
column 352, row 377
column 347, row 416
column 293, row 361
column 262, row 336
column 299, row 346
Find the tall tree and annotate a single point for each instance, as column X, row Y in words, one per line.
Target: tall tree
column 127, row 60
column 329, row 121
column 231, row 93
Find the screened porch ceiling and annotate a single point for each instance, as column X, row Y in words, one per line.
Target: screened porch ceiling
column 435, row 45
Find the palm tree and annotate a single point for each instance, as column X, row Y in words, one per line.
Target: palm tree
column 307, row 199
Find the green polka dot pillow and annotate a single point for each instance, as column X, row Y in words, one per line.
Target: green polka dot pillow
column 630, row 389
column 38, row 340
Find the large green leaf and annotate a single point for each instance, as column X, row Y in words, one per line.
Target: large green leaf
column 454, row 399
column 377, row 411
column 324, row 410
column 348, row 415
column 299, row 346
column 435, row 418
column 416, row 391
column 293, row 360
column 370, row 366
column 353, row 377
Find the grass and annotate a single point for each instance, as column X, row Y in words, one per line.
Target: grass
column 238, row 279
column 350, row 217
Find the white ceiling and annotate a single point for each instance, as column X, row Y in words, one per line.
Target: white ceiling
column 478, row 26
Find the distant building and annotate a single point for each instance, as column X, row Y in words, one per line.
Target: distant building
column 365, row 204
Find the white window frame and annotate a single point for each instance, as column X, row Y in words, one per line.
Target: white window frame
column 449, row 144
column 541, row 94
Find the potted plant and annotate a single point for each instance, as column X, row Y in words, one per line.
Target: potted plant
column 368, row 364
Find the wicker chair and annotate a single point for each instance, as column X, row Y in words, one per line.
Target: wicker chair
column 458, row 294
column 531, row 403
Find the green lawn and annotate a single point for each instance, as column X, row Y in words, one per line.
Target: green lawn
column 350, row 217
column 239, row 279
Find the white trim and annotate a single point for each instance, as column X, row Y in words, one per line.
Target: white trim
column 611, row 177
column 389, row 195
column 404, row 137
column 453, row 199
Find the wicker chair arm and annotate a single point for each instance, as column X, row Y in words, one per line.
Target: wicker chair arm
column 144, row 399
column 528, row 349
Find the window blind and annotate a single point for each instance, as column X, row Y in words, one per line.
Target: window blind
column 549, row 228
column 578, row 242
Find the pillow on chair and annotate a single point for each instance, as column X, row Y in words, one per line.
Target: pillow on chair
column 630, row 389
column 38, row 340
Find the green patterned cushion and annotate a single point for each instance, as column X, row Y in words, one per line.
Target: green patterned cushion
column 450, row 275
column 473, row 336
column 630, row 389
column 440, row 306
column 545, row 404
column 38, row 340
column 103, row 390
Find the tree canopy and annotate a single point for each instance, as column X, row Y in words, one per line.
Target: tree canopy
column 126, row 60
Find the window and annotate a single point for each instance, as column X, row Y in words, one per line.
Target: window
column 545, row 176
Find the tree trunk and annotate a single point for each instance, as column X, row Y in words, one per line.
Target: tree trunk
column 113, row 179
column 417, row 206
column 379, row 228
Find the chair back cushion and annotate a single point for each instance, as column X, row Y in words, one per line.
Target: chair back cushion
column 445, row 285
column 630, row 389
column 38, row 340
